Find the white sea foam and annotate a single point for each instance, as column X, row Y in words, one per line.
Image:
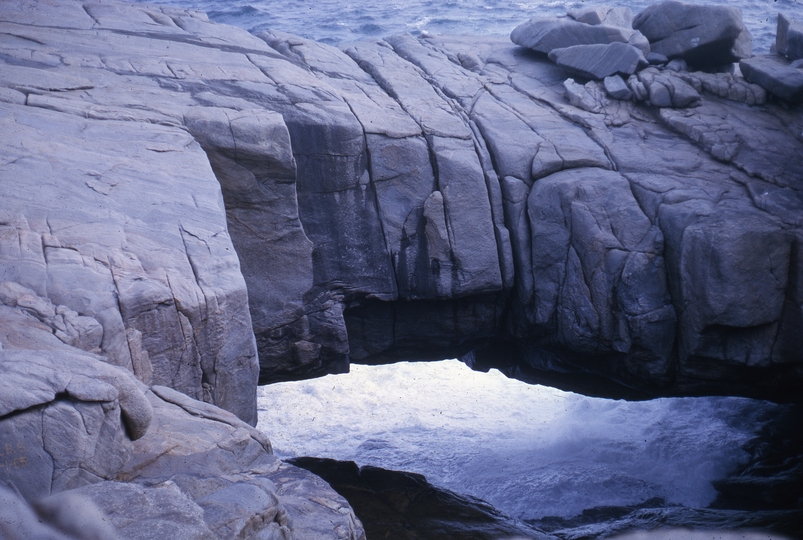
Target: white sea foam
column 531, row 451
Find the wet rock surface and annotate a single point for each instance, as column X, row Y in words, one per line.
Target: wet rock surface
column 403, row 505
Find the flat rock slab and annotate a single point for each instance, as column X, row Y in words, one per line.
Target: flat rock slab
column 702, row 35
column 776, row 75
column 600, row 61
column 547, row 34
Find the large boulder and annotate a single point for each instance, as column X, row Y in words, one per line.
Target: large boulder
column 789, row 37
column 776, row 74
column 547, row 34
column 704, row 36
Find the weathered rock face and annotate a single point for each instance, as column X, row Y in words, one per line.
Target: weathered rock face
column 100, row 455
column 405, row 198
column 95, row 245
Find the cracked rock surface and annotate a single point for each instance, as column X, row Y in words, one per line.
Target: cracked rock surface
column 401, row 198
column 187, row 209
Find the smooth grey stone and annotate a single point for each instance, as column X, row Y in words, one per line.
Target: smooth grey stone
column 789, row 37
column 616, row 87
column 599, row 61
column 776, row 75
column 545, row 35
column 656, row 59
column 704, row 36
column 607, row 15
column 76, row 515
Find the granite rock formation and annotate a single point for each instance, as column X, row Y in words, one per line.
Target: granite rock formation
column 404, row 198
column 546, row 34
column 102, row 455
column 186, row 209
column 704, row 36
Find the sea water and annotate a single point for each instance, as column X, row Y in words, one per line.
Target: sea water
column 337, row 21
column 530, row 450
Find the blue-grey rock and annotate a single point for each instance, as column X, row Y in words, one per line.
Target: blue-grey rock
column 776, row 75
column 667, row 90
column 789, row 37
column 704, row 36
column 547, row 34
column 616, row 87
column 67, row 418
column 599, row 61
column 657, row 59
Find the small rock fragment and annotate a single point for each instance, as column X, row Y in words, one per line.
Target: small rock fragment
column 666, row 90
column 637, row 87
column 616, row 87
column 583, row 97
column 726, row 85
column 657, row 59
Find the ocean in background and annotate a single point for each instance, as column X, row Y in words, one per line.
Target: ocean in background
column 529, row 450
column 337, row 21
